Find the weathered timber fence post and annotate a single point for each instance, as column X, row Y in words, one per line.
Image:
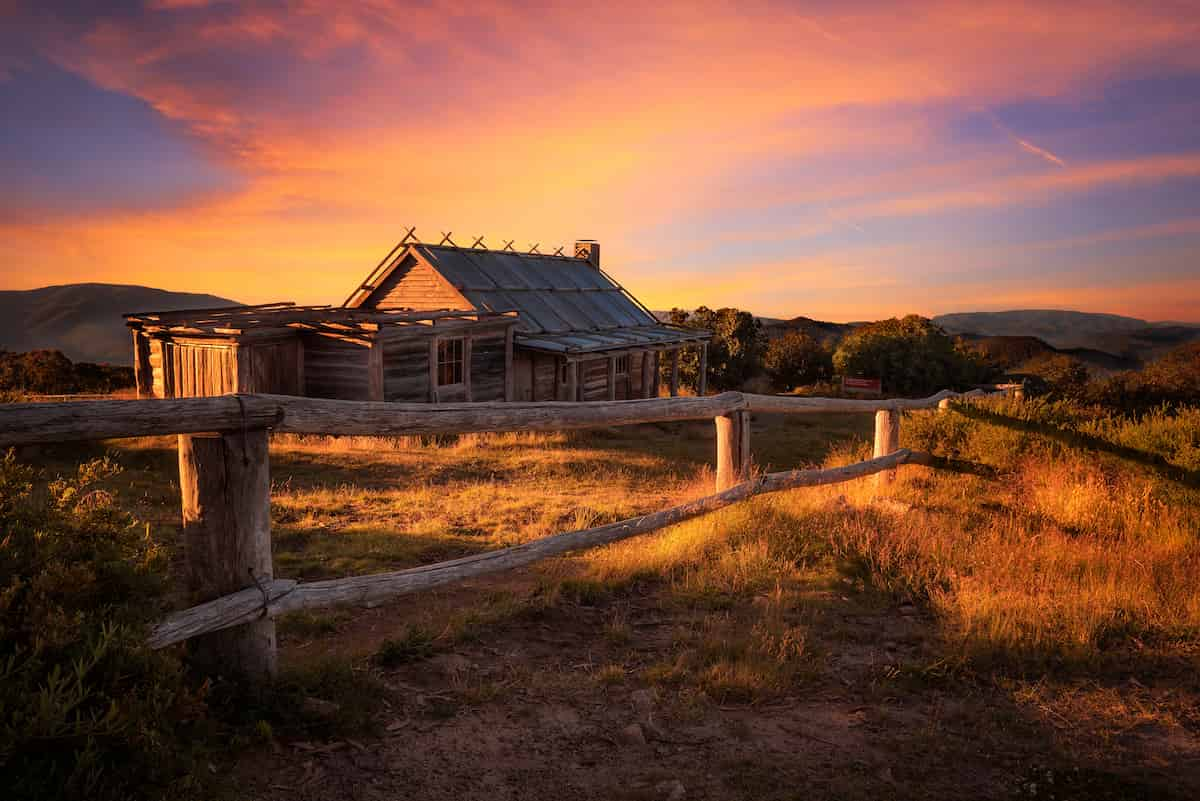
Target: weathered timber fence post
column 225, row 481
column 733, row 449
column 887, row 440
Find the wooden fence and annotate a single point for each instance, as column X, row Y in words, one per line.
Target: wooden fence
column 225, row 485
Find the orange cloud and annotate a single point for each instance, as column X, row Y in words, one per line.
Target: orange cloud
column 351, row 120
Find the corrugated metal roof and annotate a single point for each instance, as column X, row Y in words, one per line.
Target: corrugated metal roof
column 587, row 342
column 553, row 294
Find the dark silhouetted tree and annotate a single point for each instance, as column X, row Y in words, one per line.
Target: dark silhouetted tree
column 796, row 359
column 911, row 355
column 734, row 354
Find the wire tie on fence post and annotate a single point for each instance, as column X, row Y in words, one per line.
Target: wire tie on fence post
column 245, row 435
column 261, row 588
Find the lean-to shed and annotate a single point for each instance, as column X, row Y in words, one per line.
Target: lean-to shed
column 325, row 352
column 580, row 335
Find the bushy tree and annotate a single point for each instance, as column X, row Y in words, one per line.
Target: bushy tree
column 1172, row 380
column 911, row 355
column 1062, row 377
column 796, row 359
column 734, row 354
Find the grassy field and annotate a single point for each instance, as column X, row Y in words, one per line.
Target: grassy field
column 1024, row 624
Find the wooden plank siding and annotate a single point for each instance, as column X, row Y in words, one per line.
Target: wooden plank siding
column 415, row 285
column 522, row 375
column 334, row 368
column 486, row 367
column 272, row 368
column 142, row 371
column 406, row 370
column 200, row 371
column 593, row 379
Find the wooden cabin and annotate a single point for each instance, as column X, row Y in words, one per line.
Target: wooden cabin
column 580, row 335
column 325, row 352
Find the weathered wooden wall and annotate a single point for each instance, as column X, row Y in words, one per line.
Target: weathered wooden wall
column 159, row 361
column 522, row 375
column 593, row 379
column 487, row 367
column 406, row 370
column 335, row 368
column 414, row 285
column 272, row 367
column 544, row 374
column 187, row 368
column 539, row 377
column 201, row 371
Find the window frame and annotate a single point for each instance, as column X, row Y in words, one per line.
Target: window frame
column 447, row 345
column 628, row 363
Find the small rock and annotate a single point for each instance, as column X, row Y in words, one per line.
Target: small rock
column 452, row 664
column 671, row 790
column 320, row 707
column 633, row 735
column 643, row 702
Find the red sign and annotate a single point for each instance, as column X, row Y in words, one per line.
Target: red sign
column 863, row 386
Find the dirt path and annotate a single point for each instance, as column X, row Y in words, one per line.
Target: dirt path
column 531, row 707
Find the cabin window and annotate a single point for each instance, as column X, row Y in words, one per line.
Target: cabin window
column 450, row 362
column 622, row 366
column 562, row 372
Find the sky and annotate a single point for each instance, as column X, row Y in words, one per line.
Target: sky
column 841, row 160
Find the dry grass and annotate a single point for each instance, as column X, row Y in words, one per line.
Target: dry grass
column 1050, row 577
column 1060, row 555
column 1063, row 553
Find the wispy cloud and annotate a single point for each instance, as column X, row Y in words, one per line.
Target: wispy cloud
column 342, row 121
column 1024, row 144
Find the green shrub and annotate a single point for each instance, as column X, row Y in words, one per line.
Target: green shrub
column 86, row 709
column 1001, row 431
column 416, row 644
column 49, row 372
column 1061, row 377
column 1172, row 380
column 912, row 356
column 796, row 359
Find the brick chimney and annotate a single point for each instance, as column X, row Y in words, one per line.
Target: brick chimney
column 588, row 249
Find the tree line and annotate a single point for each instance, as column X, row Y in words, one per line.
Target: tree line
column 50, row 372
column 912, row 356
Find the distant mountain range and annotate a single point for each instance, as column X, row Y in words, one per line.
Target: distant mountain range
column 1128, row 340
column 84, row 320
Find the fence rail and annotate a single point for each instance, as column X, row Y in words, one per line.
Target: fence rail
column 30, row 423
column 225, row 487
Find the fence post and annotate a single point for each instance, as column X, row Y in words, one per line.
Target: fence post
column 887, row 440
column 733, row 449
column 675, row 373
column 225, row 482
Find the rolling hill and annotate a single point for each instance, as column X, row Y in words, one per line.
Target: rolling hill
column 84, row 320
column 1130, row 340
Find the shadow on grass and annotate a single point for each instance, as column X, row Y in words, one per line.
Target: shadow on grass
column 1077, row 439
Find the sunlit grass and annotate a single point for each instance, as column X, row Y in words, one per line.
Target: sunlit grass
column 1058, row 554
